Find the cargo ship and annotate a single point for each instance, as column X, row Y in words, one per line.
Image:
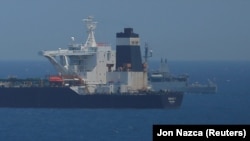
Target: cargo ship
column 91, row 75
column 163, row 79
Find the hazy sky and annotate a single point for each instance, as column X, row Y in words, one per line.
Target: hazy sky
column 175, row 29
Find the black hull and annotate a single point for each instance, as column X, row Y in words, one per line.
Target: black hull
column 63, row 97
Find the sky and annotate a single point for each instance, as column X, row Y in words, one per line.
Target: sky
column 174, row 29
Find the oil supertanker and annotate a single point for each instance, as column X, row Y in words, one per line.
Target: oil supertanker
column 91, row 75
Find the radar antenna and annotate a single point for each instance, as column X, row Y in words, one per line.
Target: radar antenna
column 91, row 26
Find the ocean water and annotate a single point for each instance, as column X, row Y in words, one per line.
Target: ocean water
column 230, row 105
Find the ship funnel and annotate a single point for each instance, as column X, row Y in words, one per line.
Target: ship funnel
column 128, row 53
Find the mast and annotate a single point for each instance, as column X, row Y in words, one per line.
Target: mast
column 147, row 54
column 91, row 26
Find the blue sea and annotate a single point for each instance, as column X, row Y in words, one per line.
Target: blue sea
column 230, row 105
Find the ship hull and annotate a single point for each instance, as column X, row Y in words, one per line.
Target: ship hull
column 183, row 87
column 64, row 97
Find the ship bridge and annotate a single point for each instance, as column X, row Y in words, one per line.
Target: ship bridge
column 90, row 61
column 62, row 52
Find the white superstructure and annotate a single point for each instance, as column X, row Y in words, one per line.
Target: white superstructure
column 94, row 64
